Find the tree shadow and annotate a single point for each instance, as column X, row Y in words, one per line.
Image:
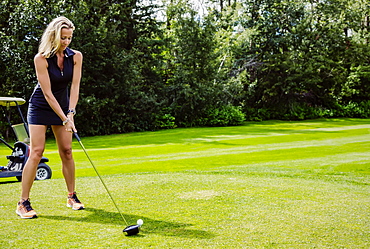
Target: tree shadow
column 151, row 226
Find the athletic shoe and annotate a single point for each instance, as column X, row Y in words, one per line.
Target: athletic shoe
column 25, row 211
column 74, row 203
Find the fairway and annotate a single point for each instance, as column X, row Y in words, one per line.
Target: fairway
column 269, row 184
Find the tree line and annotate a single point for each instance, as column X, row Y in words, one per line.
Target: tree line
column 157, row 65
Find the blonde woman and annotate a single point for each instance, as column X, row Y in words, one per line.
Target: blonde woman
column 51, row 104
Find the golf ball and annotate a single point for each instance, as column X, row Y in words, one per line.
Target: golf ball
column 140, row 222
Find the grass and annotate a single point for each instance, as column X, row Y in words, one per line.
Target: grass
column 271, row 184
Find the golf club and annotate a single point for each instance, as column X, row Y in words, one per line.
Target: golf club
column 130, row 230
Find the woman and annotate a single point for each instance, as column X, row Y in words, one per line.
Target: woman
column 56, row 66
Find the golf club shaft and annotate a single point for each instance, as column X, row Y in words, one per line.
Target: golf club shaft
column 101, row 179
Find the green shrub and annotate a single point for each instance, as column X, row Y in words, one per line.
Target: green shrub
column 354, row 110
column 165, row 121
column 223, row 116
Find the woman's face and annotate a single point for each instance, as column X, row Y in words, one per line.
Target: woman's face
column 65, row 38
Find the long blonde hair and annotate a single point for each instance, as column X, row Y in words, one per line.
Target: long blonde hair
column 50, row 40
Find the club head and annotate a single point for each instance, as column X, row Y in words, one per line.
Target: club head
column 132, row 230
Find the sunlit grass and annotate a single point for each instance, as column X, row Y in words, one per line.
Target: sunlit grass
column 272, row 184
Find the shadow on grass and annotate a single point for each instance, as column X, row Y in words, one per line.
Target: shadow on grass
column 151, row 226
column 7, row 182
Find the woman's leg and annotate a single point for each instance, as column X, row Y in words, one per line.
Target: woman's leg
column 64, row 142
column 37, row 142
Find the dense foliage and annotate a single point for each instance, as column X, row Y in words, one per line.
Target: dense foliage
column 149, row 67
column 313, row 58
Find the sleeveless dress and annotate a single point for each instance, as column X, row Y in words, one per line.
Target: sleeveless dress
column 39, row 111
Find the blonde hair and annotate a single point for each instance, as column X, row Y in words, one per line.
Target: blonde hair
column 50, row 40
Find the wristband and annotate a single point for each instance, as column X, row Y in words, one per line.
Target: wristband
column 65, row 121
column 73, row 111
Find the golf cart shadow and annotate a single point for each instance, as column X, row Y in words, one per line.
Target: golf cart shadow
column 150, row 225
column 8, row 182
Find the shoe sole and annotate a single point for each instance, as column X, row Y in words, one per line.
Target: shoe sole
column 70, row 206
column 25, row 217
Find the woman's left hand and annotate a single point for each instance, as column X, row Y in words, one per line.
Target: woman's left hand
column 70, row 126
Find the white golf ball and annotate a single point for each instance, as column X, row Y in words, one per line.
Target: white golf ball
column 140, row 222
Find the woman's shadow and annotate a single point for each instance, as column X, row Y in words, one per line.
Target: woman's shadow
column 150, row 225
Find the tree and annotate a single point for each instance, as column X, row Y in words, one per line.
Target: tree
column 112, row 35
column 191, row 65
column 298, row 58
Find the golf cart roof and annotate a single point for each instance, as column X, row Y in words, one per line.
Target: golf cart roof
column 11, row 101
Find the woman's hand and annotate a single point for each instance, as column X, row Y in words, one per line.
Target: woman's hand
column 70, row 126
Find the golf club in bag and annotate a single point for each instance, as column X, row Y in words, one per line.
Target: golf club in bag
column 130, row 230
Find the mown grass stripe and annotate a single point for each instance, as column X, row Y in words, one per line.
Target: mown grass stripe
column 238, row 150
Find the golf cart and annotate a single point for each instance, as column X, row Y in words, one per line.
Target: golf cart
column 21, row 149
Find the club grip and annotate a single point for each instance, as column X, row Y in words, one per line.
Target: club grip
column 77, row 137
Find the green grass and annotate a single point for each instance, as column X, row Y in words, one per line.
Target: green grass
column 271, row 184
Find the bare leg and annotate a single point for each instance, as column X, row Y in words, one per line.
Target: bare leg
column 64, row 141
column 37, row 140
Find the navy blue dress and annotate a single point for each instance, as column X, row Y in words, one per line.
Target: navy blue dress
column 39, row 111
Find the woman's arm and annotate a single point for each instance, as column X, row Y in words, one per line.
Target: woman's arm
column 75, row 87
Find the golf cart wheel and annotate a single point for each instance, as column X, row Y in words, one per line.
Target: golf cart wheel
column 43, row 172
